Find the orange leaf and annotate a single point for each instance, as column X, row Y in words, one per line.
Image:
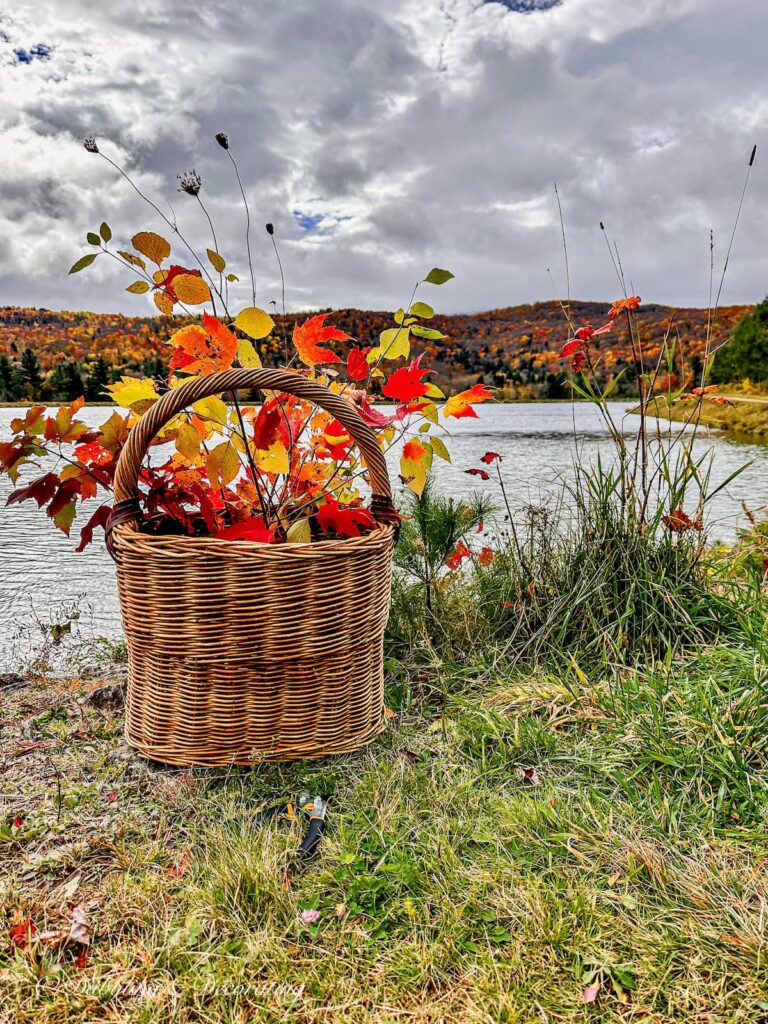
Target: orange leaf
column 308, row 336
column 460, row 405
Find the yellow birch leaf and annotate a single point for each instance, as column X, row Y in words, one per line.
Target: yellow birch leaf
column 254, row 322
column 188, row 442
column 247, row 354
column 299, row 532
column 223, row 463
column 191, row 289
column 153, row 246
column 211, row 409
column 274, row 459
column 218, row 261
column 164, row 303
column 415, row 461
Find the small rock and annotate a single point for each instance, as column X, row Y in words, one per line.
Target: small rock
column 108, row 698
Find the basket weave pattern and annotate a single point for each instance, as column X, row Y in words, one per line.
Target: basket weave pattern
column 242, row 652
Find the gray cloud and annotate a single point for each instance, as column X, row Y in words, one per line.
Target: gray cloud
column 382, row 140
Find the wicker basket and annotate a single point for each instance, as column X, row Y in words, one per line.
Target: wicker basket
column 242, row 652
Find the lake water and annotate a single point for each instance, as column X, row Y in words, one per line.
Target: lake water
column 41, row 576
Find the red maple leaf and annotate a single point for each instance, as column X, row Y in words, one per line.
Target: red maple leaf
column 357, row 364
column 252, row 529
column 490, row 457
column 308, row 336
column 42, row 489
column 344, row 520
column 478, row 472
column 406, row 384
column 485, row 556
column 460, row 552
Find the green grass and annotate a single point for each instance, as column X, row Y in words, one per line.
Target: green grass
column 496, row 850
column 571, row 798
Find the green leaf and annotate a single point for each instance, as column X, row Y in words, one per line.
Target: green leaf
column 423, row 309
column 92, row 238
column 439, row 448
column 232, row 277
column 105, row 231
column 400, row 316
column 428, row 332
column 438, row 276
column 83, row 262
column 218, row 261
column 424, row 428
column 138, row 287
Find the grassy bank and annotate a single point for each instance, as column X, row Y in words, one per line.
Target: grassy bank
column 488, row 861
column 745, row 419
column 565, row 819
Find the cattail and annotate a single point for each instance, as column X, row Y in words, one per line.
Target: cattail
column 89, row 145
column 190, row 182
column 222, row 139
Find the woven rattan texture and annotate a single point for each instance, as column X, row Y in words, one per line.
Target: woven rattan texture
column 241, row 652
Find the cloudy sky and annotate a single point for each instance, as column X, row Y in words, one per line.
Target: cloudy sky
column 383, row 138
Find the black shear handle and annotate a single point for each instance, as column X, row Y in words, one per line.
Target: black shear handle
column 311, row 840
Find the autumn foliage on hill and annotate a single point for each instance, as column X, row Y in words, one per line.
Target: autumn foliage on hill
column 57, row 356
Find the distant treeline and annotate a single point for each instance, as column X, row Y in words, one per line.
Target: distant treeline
column 57, row 356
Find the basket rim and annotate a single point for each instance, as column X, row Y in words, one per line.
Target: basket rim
column 169, row 543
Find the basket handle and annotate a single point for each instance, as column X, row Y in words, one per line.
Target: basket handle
column 126, row 508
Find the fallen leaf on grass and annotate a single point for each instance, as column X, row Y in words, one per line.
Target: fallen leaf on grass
column 590, row 992
column 22, row 933
column 79, row 927
column 529, row 776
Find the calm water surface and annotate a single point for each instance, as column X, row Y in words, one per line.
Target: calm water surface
column 40, row 573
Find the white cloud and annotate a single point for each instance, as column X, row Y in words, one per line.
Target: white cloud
column 384, row 139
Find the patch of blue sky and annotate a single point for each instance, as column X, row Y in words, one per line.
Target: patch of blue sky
column 39, row 52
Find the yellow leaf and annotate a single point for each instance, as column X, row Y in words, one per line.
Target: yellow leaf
column 414, row 464
column 191, row 289
column 135, row 261
column 274, row 459
column 138, row 287
column 254, row 322
column 129, row 391
column 299, row 532
column 433, row 391
column 164, row 303
column 393, row 344
column 211, row 409
column 218, row 261
column 153, row 246
column 223, row 463
column 247, row 354
column 188, row 442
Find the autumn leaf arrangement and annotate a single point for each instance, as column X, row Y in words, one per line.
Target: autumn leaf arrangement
column 271, row 469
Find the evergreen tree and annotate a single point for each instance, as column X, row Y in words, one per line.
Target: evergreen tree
column 31, row 374
column 746, row 354
column 11, row 385
column 65, row 383
column 97, row 380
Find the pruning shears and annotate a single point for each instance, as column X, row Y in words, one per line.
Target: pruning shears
column 316, row 809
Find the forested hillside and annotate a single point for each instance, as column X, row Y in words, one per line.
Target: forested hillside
column 59, row 355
